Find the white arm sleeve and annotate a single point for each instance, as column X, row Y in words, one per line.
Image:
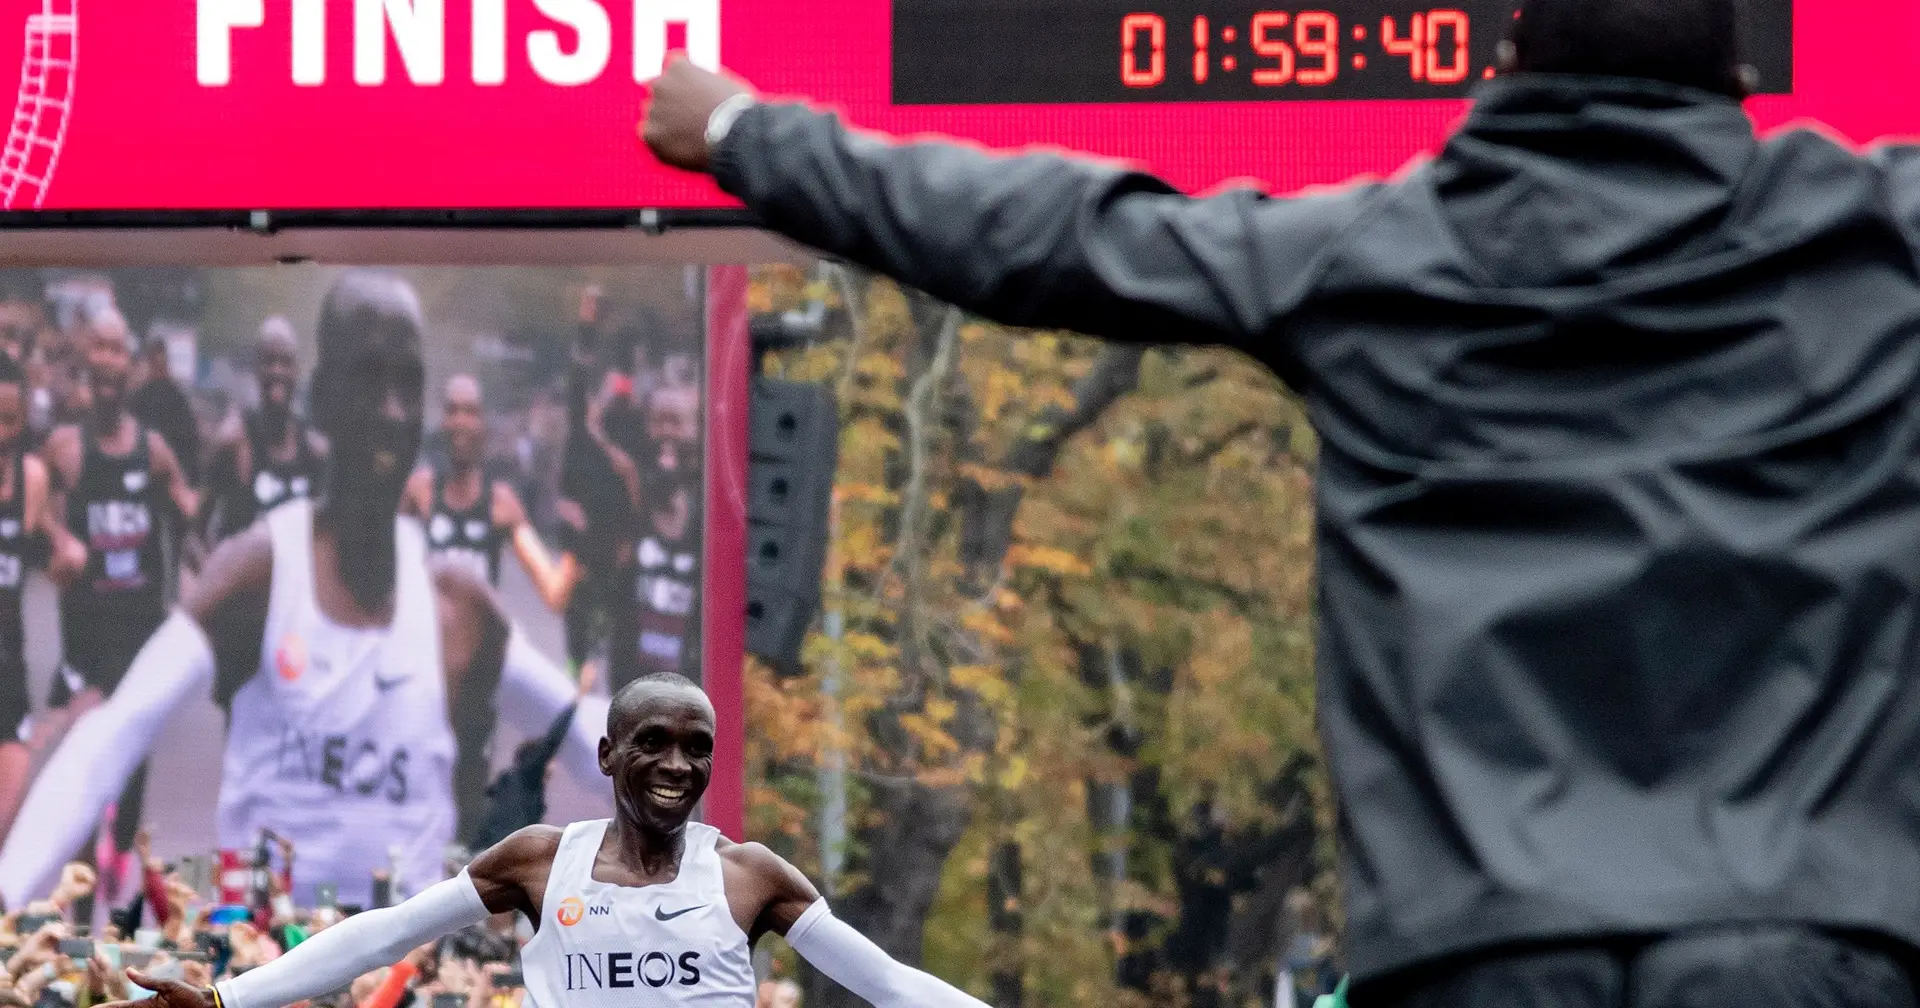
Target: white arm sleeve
column 533, row 691
column 97, row 755
column 360, row 944
column 854, row 962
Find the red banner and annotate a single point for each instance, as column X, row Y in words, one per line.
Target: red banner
column 234, row 878
column 371, row 104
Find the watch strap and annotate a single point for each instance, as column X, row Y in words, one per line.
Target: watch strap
column 720, row 121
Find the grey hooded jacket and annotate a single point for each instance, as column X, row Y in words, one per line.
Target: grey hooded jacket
column 1619, row 497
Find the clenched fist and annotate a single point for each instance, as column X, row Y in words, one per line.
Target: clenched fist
column 683, row 100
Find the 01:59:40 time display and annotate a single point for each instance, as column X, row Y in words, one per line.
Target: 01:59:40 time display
column 1304, row 48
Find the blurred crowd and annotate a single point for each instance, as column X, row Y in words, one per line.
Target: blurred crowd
column 171, row 930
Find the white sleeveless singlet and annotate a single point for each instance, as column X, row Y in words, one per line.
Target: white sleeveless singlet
column 340, row 741
column 608, row 946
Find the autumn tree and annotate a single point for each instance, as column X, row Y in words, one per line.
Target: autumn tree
column 1069, row 666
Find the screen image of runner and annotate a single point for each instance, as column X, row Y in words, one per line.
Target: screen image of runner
column 1183, row 50
column 481, row 496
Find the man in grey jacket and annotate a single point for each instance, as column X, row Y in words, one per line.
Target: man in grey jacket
column 1619, row 492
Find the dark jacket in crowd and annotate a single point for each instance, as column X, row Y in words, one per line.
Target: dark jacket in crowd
column 1619, row 487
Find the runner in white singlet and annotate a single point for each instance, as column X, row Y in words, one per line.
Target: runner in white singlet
column 362, row 682
column 344, row 744
column 645, row 910
column 628, row 947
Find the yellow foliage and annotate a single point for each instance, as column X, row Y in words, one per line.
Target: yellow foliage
column 866, row 493
column 1014, row 773
column 933, row 740
column 1047, row 558
column 867, row 647
column 985, row 681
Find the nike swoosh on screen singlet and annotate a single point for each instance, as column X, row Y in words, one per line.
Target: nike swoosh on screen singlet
column 660, row 912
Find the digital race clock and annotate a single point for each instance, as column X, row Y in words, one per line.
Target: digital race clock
column 970, row 52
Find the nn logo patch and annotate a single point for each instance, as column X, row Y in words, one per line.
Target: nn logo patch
column 572, row 911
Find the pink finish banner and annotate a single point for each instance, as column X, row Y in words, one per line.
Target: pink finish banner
column 531, row 104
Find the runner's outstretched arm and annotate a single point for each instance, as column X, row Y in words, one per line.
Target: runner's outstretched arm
column 794, row 909
column 496, row 882
column 856, row 963
column 96, row 757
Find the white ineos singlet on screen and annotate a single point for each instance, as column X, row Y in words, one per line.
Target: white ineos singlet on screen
column 340, row 741
column 602, row 945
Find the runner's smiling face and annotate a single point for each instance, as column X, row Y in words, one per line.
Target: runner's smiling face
column 463, row 423
column 659, row 752
column 109, row 364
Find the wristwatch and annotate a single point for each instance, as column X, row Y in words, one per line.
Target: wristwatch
column 721, row 121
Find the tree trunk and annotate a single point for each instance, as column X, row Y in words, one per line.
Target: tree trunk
column 918, row 826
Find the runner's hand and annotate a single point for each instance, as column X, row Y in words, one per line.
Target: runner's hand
column 167, row 994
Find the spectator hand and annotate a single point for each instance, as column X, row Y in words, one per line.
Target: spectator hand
column 30, row 985
column 423, row 958
column 241, row 938
column 481, row 994
column 76, row 882
column 38, row 950
column 194, row 974
column 684, row 98
column 104, row 981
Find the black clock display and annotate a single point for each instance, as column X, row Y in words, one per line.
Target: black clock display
column 967, row 52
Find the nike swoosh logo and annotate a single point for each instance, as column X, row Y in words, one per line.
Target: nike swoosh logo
column 660, row 912
column 383, row 685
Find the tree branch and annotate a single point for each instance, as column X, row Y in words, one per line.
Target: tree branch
column 987, row 515
column 1114, row 374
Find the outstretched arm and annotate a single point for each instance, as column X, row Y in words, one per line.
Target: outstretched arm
column 1032, row 240
column 790, row 906
column 97, row 756
column 498, row 881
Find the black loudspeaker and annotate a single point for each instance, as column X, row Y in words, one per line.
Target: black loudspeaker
column 793, row 446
